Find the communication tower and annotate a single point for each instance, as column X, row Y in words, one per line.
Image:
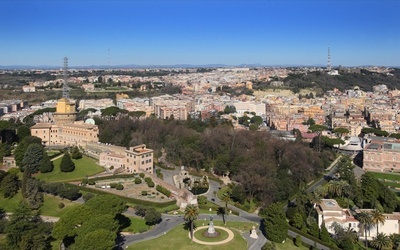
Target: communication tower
column 329, row 66
column 65, row 74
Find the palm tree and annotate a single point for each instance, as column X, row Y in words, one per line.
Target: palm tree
column 222, row 212
column 336, row 188
column 191, row 214
column 381, row 241
column 395, row 238
column 365, row 219
column 377, row 217
column 226, row 198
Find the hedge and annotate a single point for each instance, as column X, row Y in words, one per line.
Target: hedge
column 333, row 246
column 127, row 199
column 113, row 177
column 163, row 190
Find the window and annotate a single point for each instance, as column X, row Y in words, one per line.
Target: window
column 142, row 162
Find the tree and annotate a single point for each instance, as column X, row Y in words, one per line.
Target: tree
column 152, row 216
column 365, row 219
column 67, row 165
column 32, row 158
column 276, row 226
column 27, row 231
column 100, row 239
column 23, row 131
column 46, row 165
column 221, row 211
column 19, row 152
column 75, row 153
column 377, row 218
column 190, row 216
column 297, row 221
column 324, row 234
column 297, row 241
column 9, row 186
column 226, row 198
column 381, row 241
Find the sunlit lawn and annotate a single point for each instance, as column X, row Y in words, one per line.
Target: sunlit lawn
column 178, row 238
column 138, row 225
column 83, row 167
column 50, row 206
column 289, row 245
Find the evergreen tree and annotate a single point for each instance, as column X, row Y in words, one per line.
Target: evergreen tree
column 9, row 185
column 75, row 153
column 23, row 131
column 46, row 165
column 324, row 235
column 23, row 145
column 32, row 158
column 276, row 226
column 67, row 165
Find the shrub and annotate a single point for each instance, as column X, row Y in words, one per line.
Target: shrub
column 138, row 180
column 113, row 185
column 61, row 205
column 163, row 190
column 87, row 196
column 297, row 241
column 112, row 167
column 91, row 182
column 67, row 165
column 149, row 182
column 85, row 181
column 119, row 187
column 141, row 175
column 144, row 193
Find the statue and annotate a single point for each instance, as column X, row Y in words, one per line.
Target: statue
column 211, row 229
column 253, row 233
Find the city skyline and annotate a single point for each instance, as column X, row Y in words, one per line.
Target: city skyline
column 229, row 32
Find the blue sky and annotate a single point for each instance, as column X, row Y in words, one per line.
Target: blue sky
column 167, row 32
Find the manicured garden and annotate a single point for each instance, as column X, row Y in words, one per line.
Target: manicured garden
column 83, row 167
column 178, row 238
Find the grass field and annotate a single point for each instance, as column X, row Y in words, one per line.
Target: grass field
column 50, row 206
column 387, row 176
column 138, row 225
column 83, row 167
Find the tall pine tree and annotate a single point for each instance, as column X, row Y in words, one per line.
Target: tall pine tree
column 276, row 226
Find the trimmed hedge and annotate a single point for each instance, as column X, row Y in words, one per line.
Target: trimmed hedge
column 163, row 190
column 333, row 246
column 126, row 199
column 113, row 177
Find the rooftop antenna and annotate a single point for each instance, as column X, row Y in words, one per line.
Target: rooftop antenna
column 329, row 66
column 65, row 74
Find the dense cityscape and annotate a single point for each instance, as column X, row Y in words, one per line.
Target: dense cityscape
column 190, row 125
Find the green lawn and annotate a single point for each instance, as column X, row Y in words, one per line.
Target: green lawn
column 138, row 225
column 10, row 204
column 178, row 238
column 83, row 167
column 387, row 176
column 50, row 206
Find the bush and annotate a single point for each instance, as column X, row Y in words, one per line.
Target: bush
column 163, row 190
column 112, row 167
column 138, row 180
column 149, row 182
column 61, row 205
column 91, row 182
column 119, row 187
column 113, row 185
column 297, row 241
column 67, row 165
column 87, row 196
column 141, row 175
column 144, row 193
column 85, row 181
